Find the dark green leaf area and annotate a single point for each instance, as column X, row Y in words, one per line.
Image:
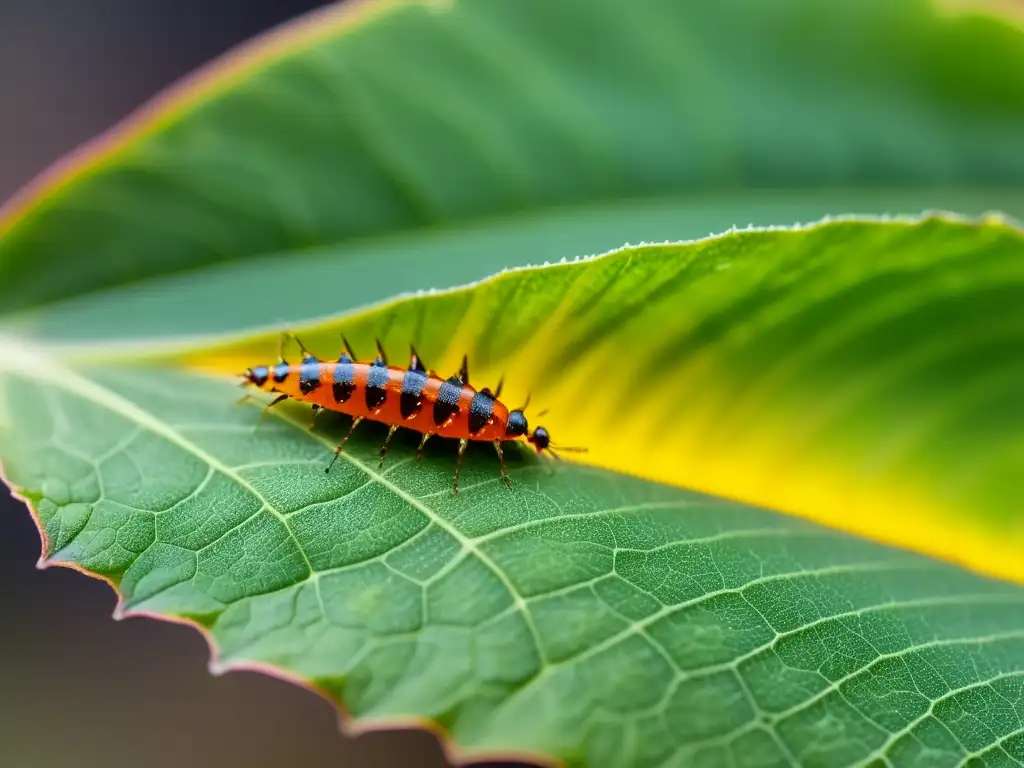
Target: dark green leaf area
column 582, row 615
column 450, row 142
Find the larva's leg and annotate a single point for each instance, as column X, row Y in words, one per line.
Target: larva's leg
column 273, row 402
column 550, row 457
column 423, row 441
column 501, row 464
column 458, row 462
column 316, row 412
column 387, row 442
column 337, row 451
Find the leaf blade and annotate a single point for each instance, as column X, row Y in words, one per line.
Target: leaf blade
column 704, row 570
column 649, row 624
column 787, row 369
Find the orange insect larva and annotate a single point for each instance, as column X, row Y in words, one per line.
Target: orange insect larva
column 413, row 398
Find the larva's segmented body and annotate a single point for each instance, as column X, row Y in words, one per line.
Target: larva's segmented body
column 413, row 398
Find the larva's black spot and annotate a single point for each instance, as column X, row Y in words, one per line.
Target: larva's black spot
column 344, row 381
column 259, row 375
column 309, row 374
column 481, row 408
column 376, row 385
column 446, row 407
column 281, row 371
column 412, row 393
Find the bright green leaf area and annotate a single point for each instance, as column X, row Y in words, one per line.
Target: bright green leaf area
column 415, row 146
column 602, row 620
column 850, row 372
column 589, row 616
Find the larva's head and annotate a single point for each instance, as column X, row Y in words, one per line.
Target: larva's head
column 257, row 375
column 518, row 427
column 540, row 439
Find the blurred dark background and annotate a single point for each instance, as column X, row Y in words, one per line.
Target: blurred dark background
column 77, row 688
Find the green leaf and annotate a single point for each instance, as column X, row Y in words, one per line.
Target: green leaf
column 601, row 620
column 585, row 615
column 381, row 148
column 861, row 374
